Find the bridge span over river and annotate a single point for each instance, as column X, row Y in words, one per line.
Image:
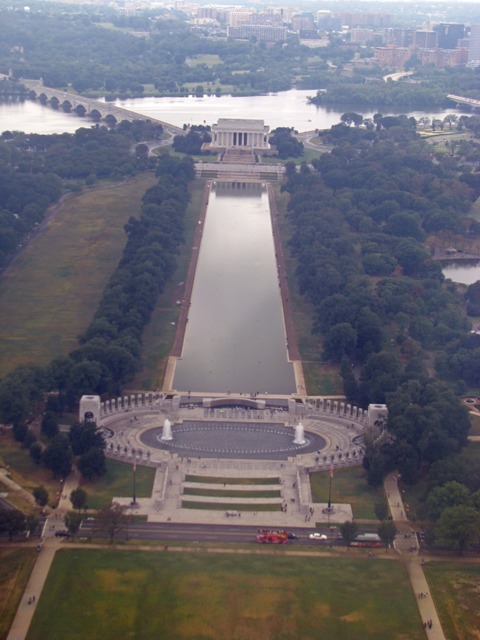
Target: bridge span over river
column 90, row 107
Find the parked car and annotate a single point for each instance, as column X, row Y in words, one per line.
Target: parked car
column 317, row 536
column 61, row 533
column 292, row 536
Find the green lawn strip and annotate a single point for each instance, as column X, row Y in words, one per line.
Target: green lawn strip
column 16, row 565
column 49, row 295
column 217, row 480
column 146, row 595
column 321, row 378
column 472, row 451
column 454, row 587
column 228, row 493
column 348, row 486
column 159, row 335
column 23, row 470
column 475, row 420
column 208, row 59
column 118, row 482
column 229, row 506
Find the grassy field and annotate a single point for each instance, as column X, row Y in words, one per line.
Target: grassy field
column 48, row 296
column 15, row 567
column 209, row 59
column 24, row 471
column 475, row 420
column 178, row 596
column 244, row 481
column 230, row 493
column 118, row 482
column 455, row 589
column 348, row 486
column 226, row 506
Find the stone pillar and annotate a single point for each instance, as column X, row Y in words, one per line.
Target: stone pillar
column 90, row 409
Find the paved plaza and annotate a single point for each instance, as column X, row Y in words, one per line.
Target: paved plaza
column 234, row 442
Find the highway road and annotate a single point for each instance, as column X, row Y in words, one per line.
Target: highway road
column 170, row 532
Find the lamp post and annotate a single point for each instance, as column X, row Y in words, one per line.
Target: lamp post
column 134, row 498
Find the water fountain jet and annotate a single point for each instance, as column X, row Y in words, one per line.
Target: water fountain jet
column 167, row 430
column 299, row 434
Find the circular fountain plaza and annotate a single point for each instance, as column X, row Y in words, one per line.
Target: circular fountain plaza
column 270, row 444
column 158, row 431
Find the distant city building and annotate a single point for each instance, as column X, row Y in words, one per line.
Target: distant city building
column 262, row 33
column 303, row 23
column 329, row 23
column 391, row 56
column 474, row 46
column 361, row 36
column 425, row 39
column 441, row 58
column 237, row 17
column 364, row 19
column 449, row 35
column 398, row 37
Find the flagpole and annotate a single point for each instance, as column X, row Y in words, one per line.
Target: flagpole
column 330, row 490
column 134, row 501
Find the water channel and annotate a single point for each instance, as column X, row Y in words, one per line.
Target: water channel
column 235, row 337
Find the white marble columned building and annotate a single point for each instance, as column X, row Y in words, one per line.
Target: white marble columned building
column 240, row 134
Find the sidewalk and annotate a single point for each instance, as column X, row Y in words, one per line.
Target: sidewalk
column 409, row 547
column 25, row 611
column 50, row 545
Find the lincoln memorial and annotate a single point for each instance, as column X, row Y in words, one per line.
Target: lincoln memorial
column 239, row 134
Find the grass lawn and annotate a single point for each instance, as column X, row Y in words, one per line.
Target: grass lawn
column 118, row 482
column 229, row 493
column 226, row 506
column 209, row 59
column 48, row 296
column 472, row 451
column 15, row 567
column 475, row 420
column 24, row 471
column 348, row 486
column 217, row 480
column 455, row 589
column 107, row 595
column 159, row 335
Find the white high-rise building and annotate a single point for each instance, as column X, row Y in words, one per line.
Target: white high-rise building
column 474, row 46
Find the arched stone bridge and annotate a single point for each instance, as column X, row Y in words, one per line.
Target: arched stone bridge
column 72, row 102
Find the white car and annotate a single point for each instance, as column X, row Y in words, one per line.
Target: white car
column 317, row 536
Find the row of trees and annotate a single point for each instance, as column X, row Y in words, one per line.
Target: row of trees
column 109, row 352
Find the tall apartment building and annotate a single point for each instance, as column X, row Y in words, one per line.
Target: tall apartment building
column 474, row 46
column 365, row 19
column 237, row 17
column 399, row 37
column 392, row 57
column 425, row 39
column 263, row 33
column 449, row 34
